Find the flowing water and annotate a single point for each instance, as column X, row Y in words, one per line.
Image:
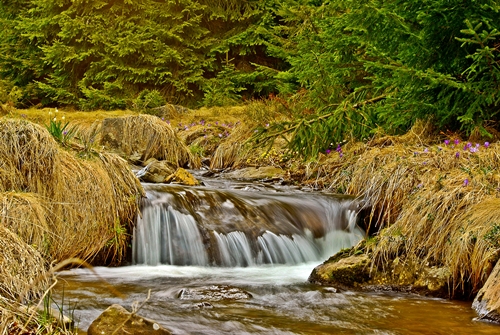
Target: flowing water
column 234, row 258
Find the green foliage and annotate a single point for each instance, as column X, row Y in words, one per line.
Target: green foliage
column 197, row 150
column 493, row 236
column 222, row 90
column 148, row 100
column 60, row 131
column 363, row 66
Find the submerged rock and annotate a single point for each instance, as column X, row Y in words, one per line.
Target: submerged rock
column 252, row 173
column 117, row 320
column 487, row 302
column 214, row 293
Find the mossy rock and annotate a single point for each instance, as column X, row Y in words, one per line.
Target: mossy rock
column 183, row 177
column 350, row 271
column 117, row 320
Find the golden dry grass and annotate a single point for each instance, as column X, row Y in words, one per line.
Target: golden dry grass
column 155, row 138
column 64, row 205
column 433, row 203
column 28, row 156
column 232, row 151
column 21, row 266
column 26, row 215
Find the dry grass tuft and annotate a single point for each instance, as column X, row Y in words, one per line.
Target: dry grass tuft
column 438, row 203
column 25, row 214
column 93, row 207
column 232, row 152
column 155, row 138
column 20, row 267
column 64, row 205
column 28, row 156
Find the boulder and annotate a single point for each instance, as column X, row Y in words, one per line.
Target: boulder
column 346, row 270
column 350, row 271
column 256, row 173
column 487, row 302
column 183, row 177
column 157, row 171
column 117, row 320
column 112, row 132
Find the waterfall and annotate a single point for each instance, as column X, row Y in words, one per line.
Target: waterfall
column 233, row 228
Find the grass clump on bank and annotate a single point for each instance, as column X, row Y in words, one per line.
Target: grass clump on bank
column 434, row 200
column 56, row 204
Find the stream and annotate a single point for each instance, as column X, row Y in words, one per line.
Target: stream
column 233, row 258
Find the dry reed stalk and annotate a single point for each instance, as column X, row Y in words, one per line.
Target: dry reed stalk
column 28, row 156
column 155, row 138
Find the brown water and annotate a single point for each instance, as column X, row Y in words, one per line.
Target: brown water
column 282, row 302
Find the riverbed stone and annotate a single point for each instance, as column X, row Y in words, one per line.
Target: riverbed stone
column 214, row 293
column 342, row 270
column 183, row 177
column 256, row 173
column 117, row 320
column 157, row 171
column 487, row 302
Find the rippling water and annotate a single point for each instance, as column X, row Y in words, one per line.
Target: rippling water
column 251, row 224
column 282, row 302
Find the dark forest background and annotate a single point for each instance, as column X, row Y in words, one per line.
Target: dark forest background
column 340, row 68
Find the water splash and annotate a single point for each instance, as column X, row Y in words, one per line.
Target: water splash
column 234, row 228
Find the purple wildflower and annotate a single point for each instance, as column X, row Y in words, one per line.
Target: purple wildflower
column 466, row 182
column 457, row 155
column 473, row 149
column 469, row 144
column 426, row 150
column 486, row 144
column 341, row 155
column 446, row 142
column 328, row 151
column 456, row 141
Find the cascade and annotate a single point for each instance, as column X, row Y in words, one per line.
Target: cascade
column 212, row 226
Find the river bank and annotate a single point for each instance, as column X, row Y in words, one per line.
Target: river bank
column 431, row 198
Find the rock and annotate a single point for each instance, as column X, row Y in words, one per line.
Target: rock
column 252, row 173
column 157, row 171
column 119, row 321
column 112, row 132
column 433, row 281
column 214, row 293
column 350, row 271
column 487, row 302
column 181, row 176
